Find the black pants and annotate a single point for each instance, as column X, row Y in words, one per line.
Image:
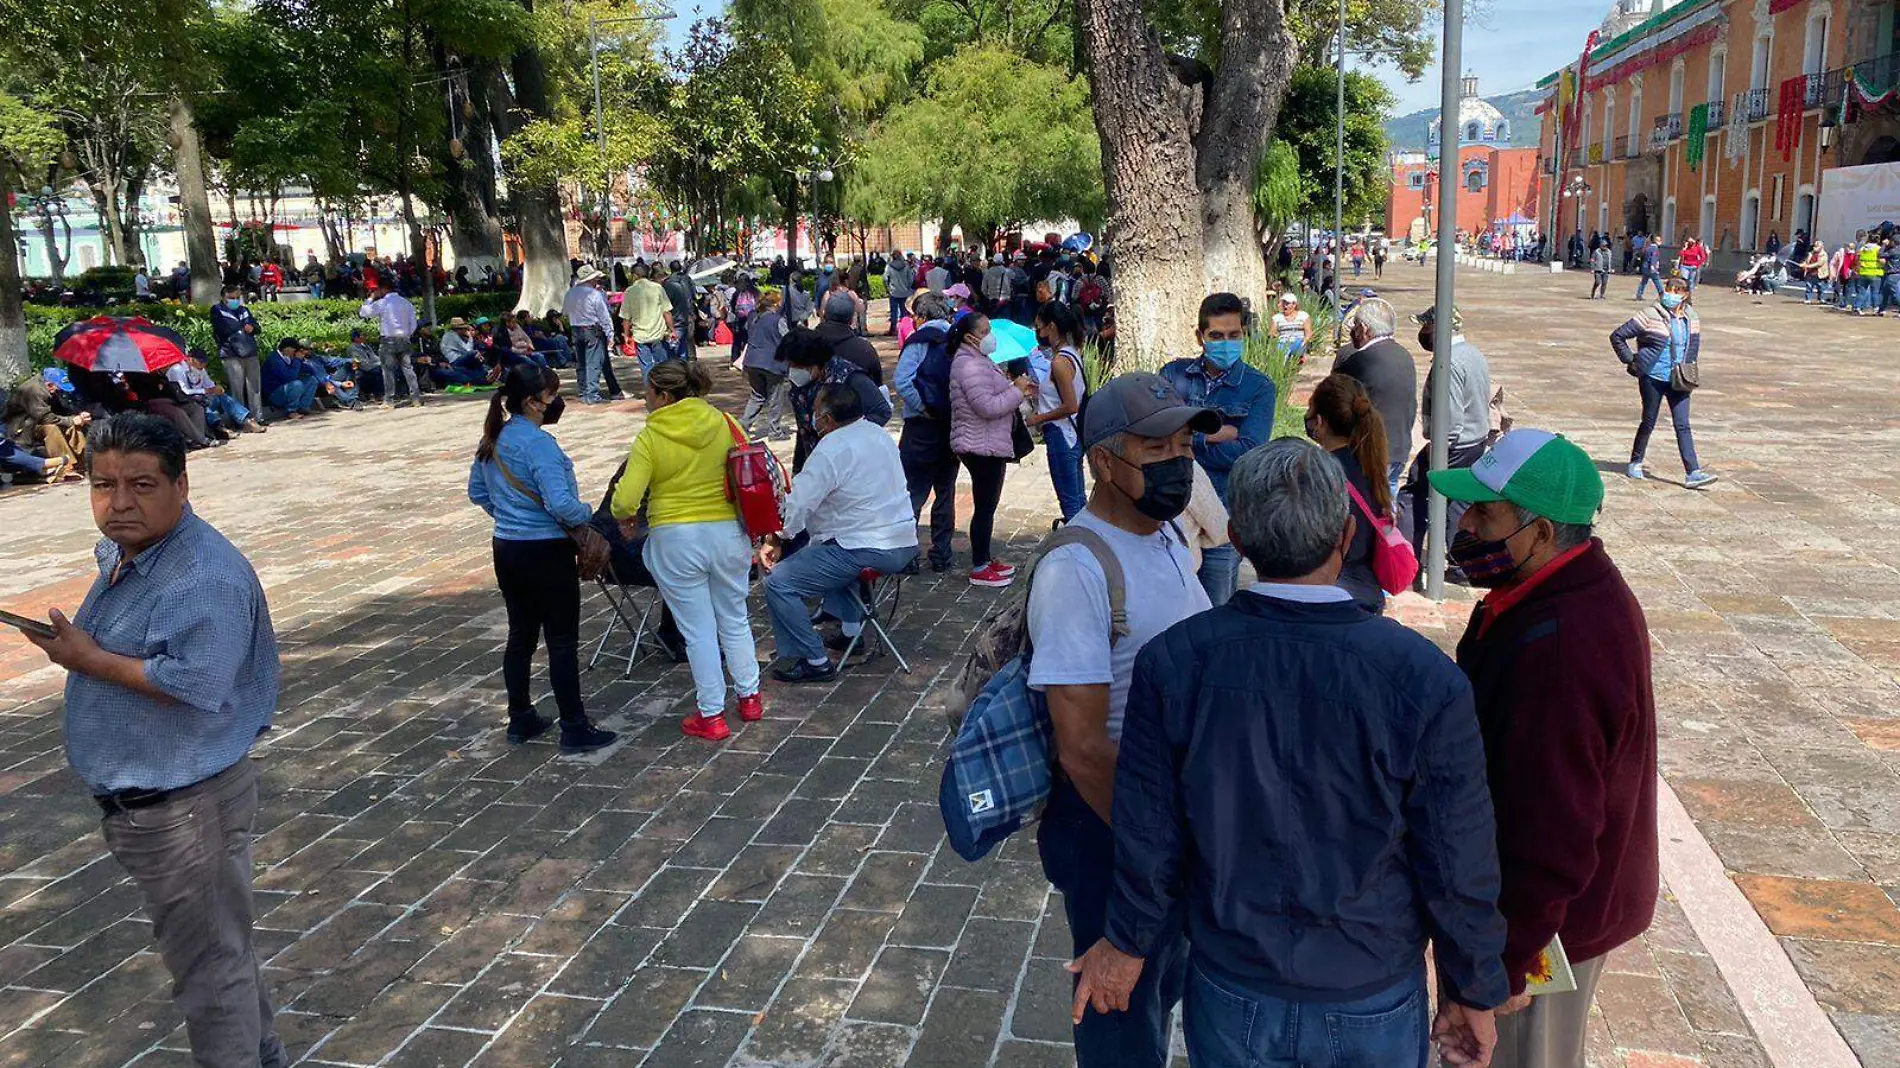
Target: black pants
column 931, row 468
column 189, row 418
column 541, row 583
column 986, row 476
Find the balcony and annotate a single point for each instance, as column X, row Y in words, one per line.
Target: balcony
column 1578, row 157
column 1752, row 105
column 1718, row 114
column 1630, row 146
column 1596, row 152
column 1815, row 93
column 1668, row 128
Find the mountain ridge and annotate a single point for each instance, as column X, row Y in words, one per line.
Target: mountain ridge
column 1407, row 133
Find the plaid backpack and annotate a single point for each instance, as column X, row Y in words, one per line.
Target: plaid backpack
column 998, row 774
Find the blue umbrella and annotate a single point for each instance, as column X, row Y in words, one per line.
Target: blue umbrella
column 1013, row 340
column 1079, row 242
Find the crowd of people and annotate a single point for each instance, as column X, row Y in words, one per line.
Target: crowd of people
column 1496, row 809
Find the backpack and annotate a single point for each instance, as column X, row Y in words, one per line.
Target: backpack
column 998, row 773
column 755, row 484
column 933, row 372
column 743, row 302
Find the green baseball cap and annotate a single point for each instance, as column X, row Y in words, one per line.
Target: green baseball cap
column 1536, row 470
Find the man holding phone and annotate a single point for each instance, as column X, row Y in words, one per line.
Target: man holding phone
column 173, row 673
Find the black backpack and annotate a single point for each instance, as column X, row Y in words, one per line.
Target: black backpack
column 933, row 372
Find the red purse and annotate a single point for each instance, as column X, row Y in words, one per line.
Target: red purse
column 755, row 484
column 1394, row 563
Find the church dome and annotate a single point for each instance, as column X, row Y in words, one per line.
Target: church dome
column 1478, row 122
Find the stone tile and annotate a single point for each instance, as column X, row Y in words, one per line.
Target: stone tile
column 434, row 1047
column 1742, row 801
column 799, row 906
column 1642, row 1014
column 706, row 933
column 846, row 946
column 754, row 874
column 544, row 1029
column 1818, row 908
column 601, row 967
column 868, row 1045
column 645, row 1007
column 899, row 985
column 1848, row 976
column 934, row 916
column 751, row 973
column 487, row 1003
column 1703, row 994
column 386, row 1023
column 798, row 1025
column 698, row 1038
column 1808, row 852
column 1874, row 1039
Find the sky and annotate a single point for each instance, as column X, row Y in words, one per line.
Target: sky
column 1516, row 43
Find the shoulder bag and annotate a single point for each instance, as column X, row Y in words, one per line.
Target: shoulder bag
column 755, row 484
column 595, row 552
column 1394, row 563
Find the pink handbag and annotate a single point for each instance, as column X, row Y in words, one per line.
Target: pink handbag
column 1394, row 563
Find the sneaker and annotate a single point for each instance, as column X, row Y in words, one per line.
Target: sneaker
column 1007, row 569
column 938, row 567
column 841, row 641
column 992, row 576
column 711, row 728
column 523, row 726
column 585, row 738
column 752, row 709
column 798, row 671
column 1635, row 471
column 619, row 398
column 1699, row 479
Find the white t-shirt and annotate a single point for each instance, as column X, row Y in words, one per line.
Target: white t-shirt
column 1068, row 609
column 1048, row 397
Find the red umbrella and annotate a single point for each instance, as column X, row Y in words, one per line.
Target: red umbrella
column 111, row 344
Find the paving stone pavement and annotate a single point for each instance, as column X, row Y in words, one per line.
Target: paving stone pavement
column 428, row 895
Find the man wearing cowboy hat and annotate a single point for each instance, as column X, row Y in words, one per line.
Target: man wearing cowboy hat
column 396, row 321
column 590, row 321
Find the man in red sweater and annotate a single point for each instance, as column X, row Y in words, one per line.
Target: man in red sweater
column 1558, row 658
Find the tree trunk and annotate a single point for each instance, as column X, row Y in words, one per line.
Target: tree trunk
column 132, row 232
column 1148, row 160
column 54, row 257
column 469, row 196
column 105, row 202
column 544, row 272
column 13, row 352
column 1241, row 110
column 194, row 204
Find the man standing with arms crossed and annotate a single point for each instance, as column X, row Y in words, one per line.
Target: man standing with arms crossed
column 396, row 320
column 172, row 674
column 591, row 322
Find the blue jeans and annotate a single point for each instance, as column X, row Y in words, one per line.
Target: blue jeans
column 1078, row 856
column 1649, row 278
column 1229, row 1028
column 559, row 354
column 1220, row 573
column 225, row 411
column 1890, row 292
column 682, row 347
column 1065, row 470
column 897, row 311
column 1867, row 293
column 295, row 397
column 591, row 343
column 822, row 569
column 1813, row 288
column 653, row 354
column 1654, row 394
column 1395, row 475
column 1693, row 276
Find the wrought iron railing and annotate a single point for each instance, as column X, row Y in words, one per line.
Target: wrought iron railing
column 1630, row 146
column 1752, row 105
column 1718, row 114
column 1668, row 128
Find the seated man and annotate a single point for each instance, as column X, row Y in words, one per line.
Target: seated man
column 852, row 501
column 554, row 346
column 461, row 361
column 289, row 384
column 15, row 460
column 630, row 569
column 42, row 418
column 222, row 411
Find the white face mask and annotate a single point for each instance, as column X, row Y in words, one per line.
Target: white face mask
column 800, row 376
column 987, row 346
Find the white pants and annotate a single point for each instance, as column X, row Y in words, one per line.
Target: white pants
column 701, row 569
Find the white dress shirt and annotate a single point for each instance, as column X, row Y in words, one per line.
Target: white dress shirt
column 586, row 305
column 1300, row 593
column 395, row 316
column 852, row 491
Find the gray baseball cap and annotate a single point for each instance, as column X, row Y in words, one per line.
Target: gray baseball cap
column 1142, row 404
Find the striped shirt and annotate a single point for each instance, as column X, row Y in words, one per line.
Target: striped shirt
column 193, row 610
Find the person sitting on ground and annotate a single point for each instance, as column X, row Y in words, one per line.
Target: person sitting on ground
column 851, row 500
column 288, row 383
column 1558, row 654
column 812, row 363
column 554, row 347
column 222, row 410
column 41, row 419
column 338, row 388
column 462, row 365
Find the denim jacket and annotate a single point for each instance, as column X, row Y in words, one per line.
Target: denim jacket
column 1245, row 399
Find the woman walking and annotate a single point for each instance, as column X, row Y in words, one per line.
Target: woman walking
column 1668, row 339
column 1340, row 418
column 1059, row 393
column 699, row 555
column 764, row 369
column 525, row 482
column 983, row 403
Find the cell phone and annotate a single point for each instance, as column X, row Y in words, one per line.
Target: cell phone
column 31, row 626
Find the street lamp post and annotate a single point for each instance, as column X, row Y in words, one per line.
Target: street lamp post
column 1339, row 181
column 603, row 239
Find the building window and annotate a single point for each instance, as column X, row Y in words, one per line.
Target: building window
column 1718, row 77
column 1504, row 131
column 1814, row 49
column 1758, row 77
column 1675, row 88
column 1668, row 232
column 1471, row 131
column 1705, row 228
column 1751, row 221
column 1416, row 180
column 1474, row 182
column 1804, row 210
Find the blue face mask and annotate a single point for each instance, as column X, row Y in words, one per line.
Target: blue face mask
column 234, row 304
column 1672, row 301
column 1224, row 354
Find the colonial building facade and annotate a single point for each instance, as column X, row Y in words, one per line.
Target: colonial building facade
column 1496, row 182
column 1715, row 118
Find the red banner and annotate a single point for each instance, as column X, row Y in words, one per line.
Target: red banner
column 1788, row 116
column 1776, row 7
column 1688, row 42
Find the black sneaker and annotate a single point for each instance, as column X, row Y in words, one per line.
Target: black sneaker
column 585, row 738
column 805, row 671
column 838, row 643
column 526, row 726
column 940, row 566
column 913, row 568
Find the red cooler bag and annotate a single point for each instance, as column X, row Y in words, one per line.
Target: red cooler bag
column 755, row 484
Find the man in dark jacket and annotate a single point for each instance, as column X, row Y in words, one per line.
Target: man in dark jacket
column 1306, row 781
column 1383, row 366
column 680, row 294
column 840, row 312
column 1558, row 657
column 235, row 330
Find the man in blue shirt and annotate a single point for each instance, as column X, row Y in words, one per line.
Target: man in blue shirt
column 1244, row 397
column 172, row 674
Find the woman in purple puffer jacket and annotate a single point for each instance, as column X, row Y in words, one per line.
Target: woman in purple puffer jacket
column 983, row 403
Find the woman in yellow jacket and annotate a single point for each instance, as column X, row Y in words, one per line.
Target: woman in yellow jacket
column 699, row 555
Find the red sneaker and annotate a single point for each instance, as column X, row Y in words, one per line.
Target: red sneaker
column 1007, row 569
column 992, row 576
column 711, row 728
column 752, row 709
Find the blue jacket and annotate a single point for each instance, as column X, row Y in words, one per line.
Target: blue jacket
column 280, row 369
column 537, row 462
column 1244, row 397
column 227, row 327
column 1308, row 781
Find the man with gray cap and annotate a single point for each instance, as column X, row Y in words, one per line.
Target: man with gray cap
column 1138, row 437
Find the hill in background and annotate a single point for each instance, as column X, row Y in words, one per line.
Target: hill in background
column 1407, row 132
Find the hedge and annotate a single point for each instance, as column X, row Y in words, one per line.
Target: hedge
column 326, row 324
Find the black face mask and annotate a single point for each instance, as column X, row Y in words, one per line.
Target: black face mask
column 553, row 413
column 1166, row 486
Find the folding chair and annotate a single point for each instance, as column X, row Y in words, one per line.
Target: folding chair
column 624, row 602
column 877, row 594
